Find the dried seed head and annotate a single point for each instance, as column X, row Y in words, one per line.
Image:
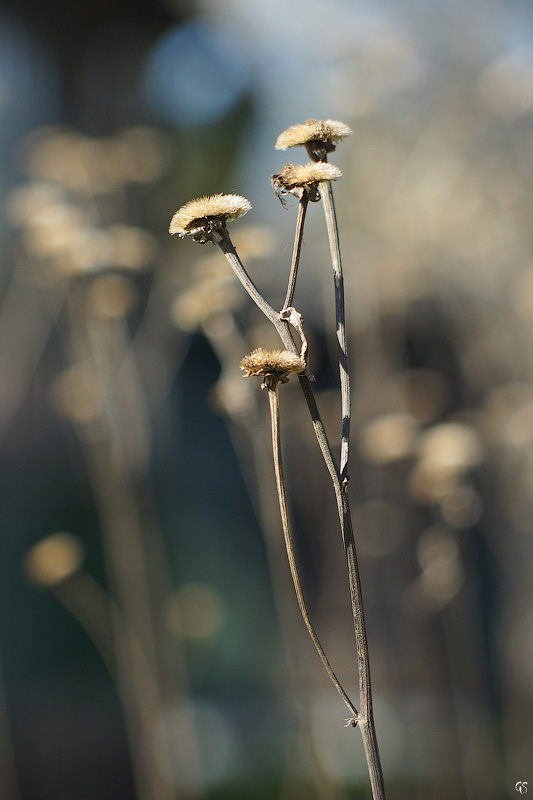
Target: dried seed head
column 272, row 365
column 318, row 136
column 204, row 217
column 297, row 179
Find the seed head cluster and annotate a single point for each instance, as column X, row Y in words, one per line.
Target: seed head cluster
column 203, row 216
column 299, row 178
column 275, row 365
column 318, row 136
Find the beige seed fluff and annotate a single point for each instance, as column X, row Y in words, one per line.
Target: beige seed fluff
column 280, row 363
column 304, row 174
column 328, row 130
column 222, row 206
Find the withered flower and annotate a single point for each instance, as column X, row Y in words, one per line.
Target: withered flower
column 204, row 218
column 299, row 178
column 318, row 136
column 274, row 366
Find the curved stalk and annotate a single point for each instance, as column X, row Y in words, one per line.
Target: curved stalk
column 289, row 544
column 365, row 717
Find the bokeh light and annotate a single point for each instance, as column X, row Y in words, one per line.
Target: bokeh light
column 196, row 73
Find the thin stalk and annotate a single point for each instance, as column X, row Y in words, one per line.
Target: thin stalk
column 262, row 490
column 289, row 544
column 228, row 248
column 365, row 717
column 281, row 325
column 297, row 249
column 340, row 321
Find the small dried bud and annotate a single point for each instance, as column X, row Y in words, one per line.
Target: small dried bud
column 205, row 217
column 318, row 136
column 272, row 365
column 297, row 178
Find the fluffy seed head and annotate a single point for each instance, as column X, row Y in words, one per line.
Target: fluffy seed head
column 317, row 135
column 297, row 178
column 272, row 365
column 202, row 217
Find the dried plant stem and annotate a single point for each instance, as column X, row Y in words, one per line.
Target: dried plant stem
column 326, row 193
column 260, row 480
column 297, row 249
column 289, row 543
column 228, row 248
column 365, row 717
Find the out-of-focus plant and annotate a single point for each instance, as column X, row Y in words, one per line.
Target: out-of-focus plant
column 80, row 246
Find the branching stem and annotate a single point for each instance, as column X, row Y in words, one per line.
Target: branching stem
column 365, row 717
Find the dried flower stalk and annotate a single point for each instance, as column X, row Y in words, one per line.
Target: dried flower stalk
column 275, row 367
column 319, row 139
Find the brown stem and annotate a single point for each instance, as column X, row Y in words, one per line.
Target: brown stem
column 289, row 544
column 366, row 717
column 297, row 249
column 340, row 321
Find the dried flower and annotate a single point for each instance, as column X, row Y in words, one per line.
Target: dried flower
column 205, row 217
column 318, row 136
column 272, row 365
column 297, row 178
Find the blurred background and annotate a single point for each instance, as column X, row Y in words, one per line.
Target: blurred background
column 150, row 646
